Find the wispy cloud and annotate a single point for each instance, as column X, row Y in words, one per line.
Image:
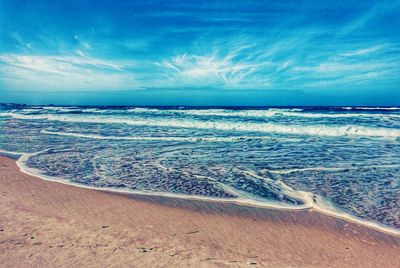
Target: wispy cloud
column 363, row 51
column 373, row 65
column 230, row 69
column 64, row 71
column 58, row 64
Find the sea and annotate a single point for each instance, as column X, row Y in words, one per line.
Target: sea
column 343, row 161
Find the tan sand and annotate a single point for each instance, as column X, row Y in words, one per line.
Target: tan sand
column 46, row 224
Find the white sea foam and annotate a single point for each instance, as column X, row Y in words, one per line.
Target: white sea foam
column 332, row 169
column 227, row 112
column 372, row 108
column 319, row 130
column 258, row 113
column 305, row 197
column 146, row 138
column 60, row 108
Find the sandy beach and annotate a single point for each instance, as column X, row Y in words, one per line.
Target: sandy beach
column 48, row 224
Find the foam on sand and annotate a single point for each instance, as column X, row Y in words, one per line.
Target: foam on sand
column 311, row 201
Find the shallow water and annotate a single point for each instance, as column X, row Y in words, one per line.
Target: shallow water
column 290, row 157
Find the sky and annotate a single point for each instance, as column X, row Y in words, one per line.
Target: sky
column 98, row 52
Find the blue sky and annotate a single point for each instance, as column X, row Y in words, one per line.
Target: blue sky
column 200, row 52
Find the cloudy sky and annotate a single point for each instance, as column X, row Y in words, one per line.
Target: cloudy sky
column 200, row 52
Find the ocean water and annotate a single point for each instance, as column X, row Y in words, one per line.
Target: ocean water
column 344, row 160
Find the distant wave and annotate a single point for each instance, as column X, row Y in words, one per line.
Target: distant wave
column 373, row 108
column 319, row 130
column 275, row 112
column 255, row 113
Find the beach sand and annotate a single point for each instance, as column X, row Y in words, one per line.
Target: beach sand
column 48, row 224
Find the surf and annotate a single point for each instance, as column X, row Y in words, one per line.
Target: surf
column 214, row 124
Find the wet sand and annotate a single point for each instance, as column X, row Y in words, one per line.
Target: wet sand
column 48, row 224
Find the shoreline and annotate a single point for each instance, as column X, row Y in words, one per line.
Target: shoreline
column 332, row 211
column 49, row 223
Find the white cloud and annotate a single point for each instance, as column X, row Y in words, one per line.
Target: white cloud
column 58, row 64
column 363, row 51
column 229, row 70
column 74, row 72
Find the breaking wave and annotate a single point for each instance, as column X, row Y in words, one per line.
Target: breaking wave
column 260, row 127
